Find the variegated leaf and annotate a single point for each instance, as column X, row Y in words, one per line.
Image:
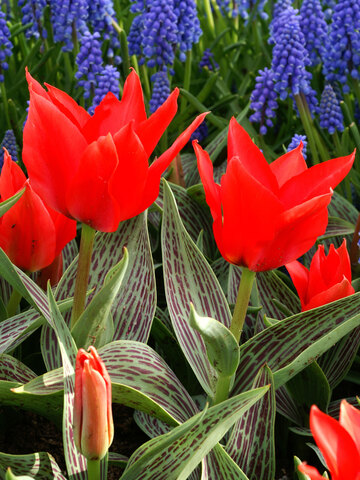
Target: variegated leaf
column 251, row 442
column 175, row 455
column 41, row 466
column 12, row 369
column 15, row 329
column 286, row 406
column 220, row 466
column 189, row 279
column 293, row 343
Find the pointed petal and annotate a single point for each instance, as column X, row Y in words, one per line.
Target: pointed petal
column 111, row 114
column 151, row 130
column 151, row 190
column 288, row 165
column 336, row 445
column 345, row 266
column 335, row 292
column 243, row 198
column 317, row 180
column 299, row 275
column 318, row 279
column 88, row 198
column 52, row 150
column 350, row 420
column 129, row 179
column 35, row 86
column 12, row 178
column 27, row 233
column 65, row 229
column 240, row 145
column 212, row 189
column 78, row 115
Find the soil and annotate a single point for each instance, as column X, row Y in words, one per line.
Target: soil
column 25, row 432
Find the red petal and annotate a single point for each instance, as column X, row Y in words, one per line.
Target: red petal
column 88, row 198
column 151, row 130
column 212, row 189
column 288, row 165
column 312, row 472
column 335, row 292
column 336, row 445
column 345, row 266
column 35, row 86
column 111, row 114
column 12, row 178
column 315, row 181
column 300, row 277
column 318, row 280
column 52, row 150
column 27, row 233
column 350, row 420
column 65, row 229
column 151, row 190
column 251, row 214
column 129, row 179
column 240, row 145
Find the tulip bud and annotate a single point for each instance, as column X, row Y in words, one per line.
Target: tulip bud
column 93, row 422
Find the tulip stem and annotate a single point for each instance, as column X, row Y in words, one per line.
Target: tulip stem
column 82, row 276
column 93, row 469
column 242, row 302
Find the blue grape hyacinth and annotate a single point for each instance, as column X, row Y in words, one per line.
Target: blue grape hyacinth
column 207, row 60
column 9, row 142
column 314, row 28
column 107, row 81
column 161, row 90
column 32, row 12
column 263, row 100
column 68, row 19
column 331, row 116
column 295, row 141
column 89, row 62
column 5, row 45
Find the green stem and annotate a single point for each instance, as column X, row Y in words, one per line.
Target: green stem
column 6, row 106
column 82, row 275
column 145, row 81
column 308, row 129
column 13, row 303
column 93, row 469
column 242, row 302
column 210, row 18
column 187, row 80
column 222, row 390
column 356, row 87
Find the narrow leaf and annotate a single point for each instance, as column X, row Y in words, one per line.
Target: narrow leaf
column 7, row 204
column 41, row 465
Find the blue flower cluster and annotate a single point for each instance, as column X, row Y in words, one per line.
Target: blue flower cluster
column 263, row 100
column 5, row 45
column 246, row 7
column 9, row 142
column 68, row 19
column 161, row 90
column 314, row 28
column 161, row 27
column 295, row 141
column 32, row 12
column 290, row 58
column 208, row 61
column 343, row 50
column 107, row 81
column 89, row 62
column 200, row 133
column 279, row 7
column 331, row 116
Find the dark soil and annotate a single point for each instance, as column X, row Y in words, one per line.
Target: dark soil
column 25, row 432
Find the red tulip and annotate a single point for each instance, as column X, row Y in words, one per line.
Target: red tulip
column 31, row 234
column 339, row 442
column 328, row 279
column 267, row 215
column 93, row 422
column 95, row 168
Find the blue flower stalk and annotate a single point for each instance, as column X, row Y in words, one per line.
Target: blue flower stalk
column 161, row 90
column 295, row 141
column 9, row 142
column 331, row 117
column 33, row 12
column 107, row 81
column 314, row 28
column 68, row 19
column 207, row 60
column 6, row 47
column 264, row 100
column 89, row 62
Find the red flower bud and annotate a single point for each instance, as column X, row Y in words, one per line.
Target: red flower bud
column 328, row 279
column 93, row 422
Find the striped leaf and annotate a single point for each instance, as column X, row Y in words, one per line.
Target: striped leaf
column 41, row 466
column 220, row 466
column 188, row 278
column 12, row 369
column 293, row 343
column 134, row 305
column 176, row 454
column 15, row 329
column 251, row 443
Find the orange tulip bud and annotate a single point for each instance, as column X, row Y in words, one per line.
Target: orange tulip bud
column 93, row 422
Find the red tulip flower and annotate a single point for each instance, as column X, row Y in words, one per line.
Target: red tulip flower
column 31, row 234
column 339, row 442
column 327, row 280
column 93, row 422
column 95, row 168
column 267, row 215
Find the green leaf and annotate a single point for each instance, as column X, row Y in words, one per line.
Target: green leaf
column 12, row 369
column 300, row 475
column 95, row 325
column 7, row 204
column 175, row 455
column 41, row 466
column 10, row 476
column 221, row 466
column 222, row 348
column 337, row 227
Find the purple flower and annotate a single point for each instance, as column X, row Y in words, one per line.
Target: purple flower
column 107, row 81
column 89, row 62
column 314, row 28
column 263, row 100
column 5, row 45
column 208, row 61
column 331, row 116
column 68, row 18
column 9, row 142
column 32, row 12
column 161, row 90
column 295, row 141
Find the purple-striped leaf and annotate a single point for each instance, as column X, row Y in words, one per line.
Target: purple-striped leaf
column 251, row 442
column 337, row 227
column 188, row 278
column 337, row 361
column 41, row 466
column 152, row 426
column 15, row 329
column 220, row 466
column 286, row 406
column 13, row 370
column 134, row 305
column 340, row 207
column 176, row 454
column 293, row 343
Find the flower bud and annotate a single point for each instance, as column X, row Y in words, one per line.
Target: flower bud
column 93, row 422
